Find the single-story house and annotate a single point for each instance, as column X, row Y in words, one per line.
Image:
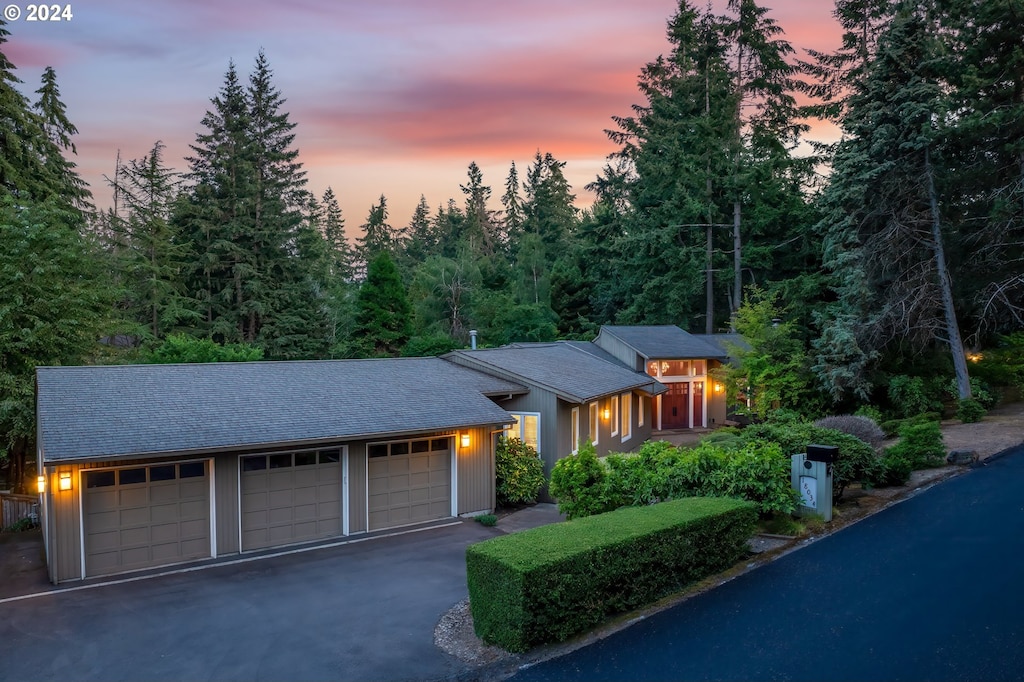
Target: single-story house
column 148, row 465
column 679, row 360
column 151, row 465
column 576, row 392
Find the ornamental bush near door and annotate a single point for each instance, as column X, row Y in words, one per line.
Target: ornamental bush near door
column 518, row 472
column 549, row 583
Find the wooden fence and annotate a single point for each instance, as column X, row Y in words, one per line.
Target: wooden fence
column 14, row 508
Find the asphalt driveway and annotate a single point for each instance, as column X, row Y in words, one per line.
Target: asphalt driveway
column 361, row 611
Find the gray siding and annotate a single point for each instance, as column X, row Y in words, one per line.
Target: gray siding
column 543, row 402
column 716, row 400
column 620, row 351
column 225, row 506
column 475, row 466
column 356, row 488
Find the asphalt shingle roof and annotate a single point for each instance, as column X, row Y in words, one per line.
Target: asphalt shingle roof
column 573, row 374
column 663, row 342
column 116, row 411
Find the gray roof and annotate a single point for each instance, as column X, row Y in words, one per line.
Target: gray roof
column 571, row 373
column 117, row 411
column 723, row 341
column 663, row 342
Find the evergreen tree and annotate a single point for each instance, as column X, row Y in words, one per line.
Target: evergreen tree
column 149, row 257
column 480, row 232
column 513, row 204
column 59, row 130
column 383, row 316
column 378, row 236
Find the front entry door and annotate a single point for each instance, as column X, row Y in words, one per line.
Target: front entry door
column 674, row 406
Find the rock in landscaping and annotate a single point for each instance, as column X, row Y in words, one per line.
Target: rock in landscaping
column 962, row 457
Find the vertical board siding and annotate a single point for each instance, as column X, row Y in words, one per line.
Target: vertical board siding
column 226, row 505
column 476, row 472
column 356, row 488
column 620, row 351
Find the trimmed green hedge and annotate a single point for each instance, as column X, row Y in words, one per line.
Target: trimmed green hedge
column 549, row 583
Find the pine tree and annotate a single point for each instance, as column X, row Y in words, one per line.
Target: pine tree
column 383, row 322
column 513, row 204
column 149, row 256
column 378, row 236
column 481, row 231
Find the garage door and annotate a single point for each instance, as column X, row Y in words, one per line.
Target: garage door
column 138, row 517
column 409, row 482
column 290, row 497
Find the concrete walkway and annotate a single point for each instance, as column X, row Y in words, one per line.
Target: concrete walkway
column 540, row 514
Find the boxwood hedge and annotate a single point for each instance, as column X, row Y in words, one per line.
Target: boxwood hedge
column 549, row 583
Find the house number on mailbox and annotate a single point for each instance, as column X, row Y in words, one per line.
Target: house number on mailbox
column 807, row 484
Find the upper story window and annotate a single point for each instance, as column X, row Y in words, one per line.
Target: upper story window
column 677, row 368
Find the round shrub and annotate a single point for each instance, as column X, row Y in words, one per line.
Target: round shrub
column 864, row 428
column 578, row 483
column 518, row 472
column 969, row 411
column 920, row 444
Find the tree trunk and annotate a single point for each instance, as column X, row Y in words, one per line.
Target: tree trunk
column 737, row 297
column 956, row 344
column 709, row 323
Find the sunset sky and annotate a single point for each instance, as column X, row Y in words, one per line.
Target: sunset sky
column 391, row 96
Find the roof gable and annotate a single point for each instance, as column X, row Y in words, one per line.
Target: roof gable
column 661, row 342
column 571, row 373
column 116, row 411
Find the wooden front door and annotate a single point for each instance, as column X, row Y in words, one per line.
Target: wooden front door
column 674, row 406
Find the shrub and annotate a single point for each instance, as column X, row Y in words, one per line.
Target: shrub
column 894, row 426
column 518, row 472
column 920, row 444
column 909, row 396
column 895, row 469
column 969, row 410
column 549, row 583
column 864, row 428
column 857, row 460
column 726, row 438
column 578, row 483
column 869, row 411
column 487, row 520
column 980, row 391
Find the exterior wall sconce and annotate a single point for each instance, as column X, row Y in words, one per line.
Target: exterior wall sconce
column 464, row 440
column 718, row 388
column 606, row 413
column 41, row 484
column 64, row 480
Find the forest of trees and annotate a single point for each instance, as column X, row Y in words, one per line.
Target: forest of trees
column 888, row 252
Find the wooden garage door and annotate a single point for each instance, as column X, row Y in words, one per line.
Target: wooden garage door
column 290, row 497
column 409, row 482
column 139, row 517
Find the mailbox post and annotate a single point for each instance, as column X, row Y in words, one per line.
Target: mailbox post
column 812, row 478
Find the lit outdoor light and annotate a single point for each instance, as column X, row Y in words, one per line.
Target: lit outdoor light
column 607, row 414
column 718, row 388
column 464, row 440
column 41, row 484
column 65, row 480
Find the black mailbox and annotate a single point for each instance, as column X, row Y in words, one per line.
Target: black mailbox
column 823, row 453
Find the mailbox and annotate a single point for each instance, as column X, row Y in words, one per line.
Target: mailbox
column 823, row 453
column 813, row 481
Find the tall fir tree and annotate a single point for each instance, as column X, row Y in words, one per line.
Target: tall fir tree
column 383, row 322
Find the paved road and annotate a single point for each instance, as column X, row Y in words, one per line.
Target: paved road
column 363, row 611
column 930, row 589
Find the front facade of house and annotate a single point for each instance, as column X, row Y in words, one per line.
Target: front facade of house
column 576, row 393
column 680, row 361
column 147, row 466
column 153, row 465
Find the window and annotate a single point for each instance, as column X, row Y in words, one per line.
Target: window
column 699, row 368
column 99, row 479
column 257, row 463
column 305, row 459
column 162, row 473
column 640, row 411
column 526, row 429
column 615, row 415
column 627, row 416
column 575, row 431
column 329, row 456
column 595, row 424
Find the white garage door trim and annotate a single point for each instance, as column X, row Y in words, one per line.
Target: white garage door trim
column 210, row 494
